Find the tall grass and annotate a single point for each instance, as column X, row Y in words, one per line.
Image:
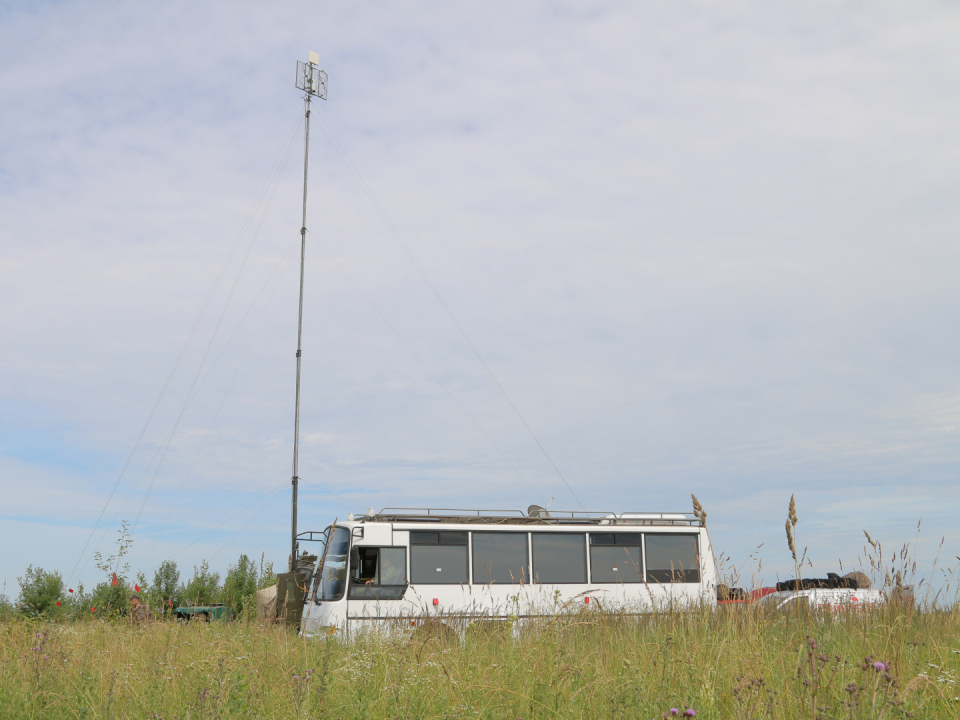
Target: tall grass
column 728, row 663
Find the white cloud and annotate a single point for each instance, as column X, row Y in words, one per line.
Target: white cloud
column 704, row 249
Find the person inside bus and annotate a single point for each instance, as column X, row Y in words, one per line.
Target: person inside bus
column 389, row 573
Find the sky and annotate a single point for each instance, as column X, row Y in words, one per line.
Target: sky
column 605, row 255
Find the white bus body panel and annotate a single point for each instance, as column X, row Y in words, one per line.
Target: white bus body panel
column 462, row 603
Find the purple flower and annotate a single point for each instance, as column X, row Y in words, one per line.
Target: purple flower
column 690, row 712
column 296, row 677
column 879, row 666
column 674, row 711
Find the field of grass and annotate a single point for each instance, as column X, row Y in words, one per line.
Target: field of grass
column 733, row 663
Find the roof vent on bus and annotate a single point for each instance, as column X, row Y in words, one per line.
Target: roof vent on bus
column 535, row 511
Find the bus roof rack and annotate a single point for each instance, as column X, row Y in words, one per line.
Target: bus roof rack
column 516, row 517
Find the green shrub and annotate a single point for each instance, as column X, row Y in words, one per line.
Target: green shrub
column 239, row 585
column 166, row 592
column 76, row 603
column 108, row 600
column 41, row 592
column 203, row 586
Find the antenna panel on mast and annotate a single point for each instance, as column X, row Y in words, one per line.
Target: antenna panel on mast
column 311, row 79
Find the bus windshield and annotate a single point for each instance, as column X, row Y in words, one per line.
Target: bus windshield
column 332, row 573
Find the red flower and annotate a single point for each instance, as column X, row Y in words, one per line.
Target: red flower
column 70, row 590
column 58, row 603
column 170, row 602
column 136, row 588
column 93, row 609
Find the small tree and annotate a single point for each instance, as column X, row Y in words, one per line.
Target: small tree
column 167, row 592
column 110, row 598
column 240, row 584
column 203, row 586
column 41, row 592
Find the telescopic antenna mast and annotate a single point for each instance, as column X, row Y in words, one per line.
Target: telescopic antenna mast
column 313, row 81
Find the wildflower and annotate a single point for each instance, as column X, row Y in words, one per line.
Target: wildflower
column 674, row 711
column 879, row 666
column 93, row 610
column 690, row 712
column 70, row 590
column 58, row 603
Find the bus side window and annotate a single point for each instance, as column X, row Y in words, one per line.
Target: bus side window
column 559, row 558
column 672, row 558
column 363, row 564
column 438, row 558
column 500, row 557
column 393, row 566
column 615, row 558
column 378, row 573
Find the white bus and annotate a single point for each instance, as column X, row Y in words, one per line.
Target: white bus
column 406, row 564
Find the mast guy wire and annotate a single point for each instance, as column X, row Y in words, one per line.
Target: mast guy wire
column 190, row 335
column 425, row 366
column 396, row 234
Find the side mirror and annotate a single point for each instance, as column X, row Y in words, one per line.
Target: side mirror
column 355, row 563
column 357, row 533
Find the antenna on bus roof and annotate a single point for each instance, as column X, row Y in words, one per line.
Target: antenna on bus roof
column 313, row 81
